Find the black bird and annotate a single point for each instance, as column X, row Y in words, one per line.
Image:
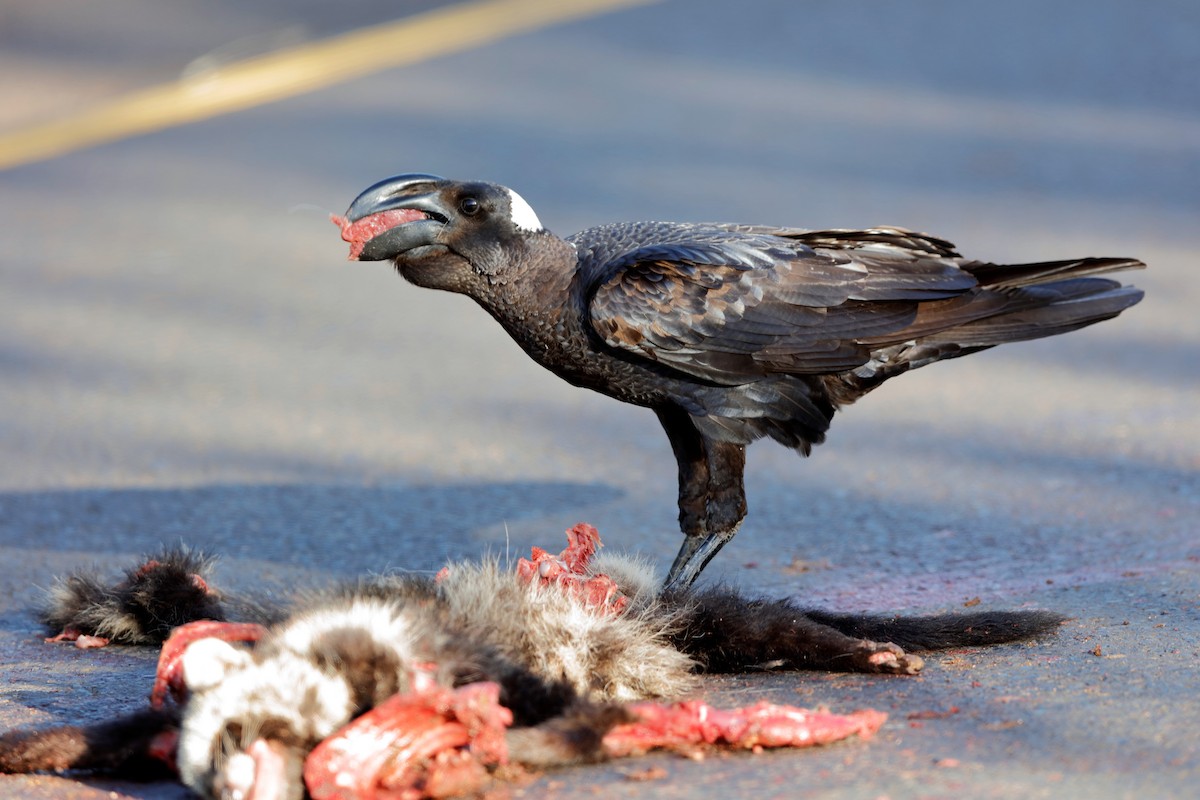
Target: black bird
column 730, row 333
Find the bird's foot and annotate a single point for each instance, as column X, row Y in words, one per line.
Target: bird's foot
column 693, row 556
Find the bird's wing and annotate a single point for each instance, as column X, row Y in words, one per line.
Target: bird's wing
column 728, row 303
column 897, row 241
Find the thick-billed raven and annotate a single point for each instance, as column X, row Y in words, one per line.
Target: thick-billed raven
column 730, row 333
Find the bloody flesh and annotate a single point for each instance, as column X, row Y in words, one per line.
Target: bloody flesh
column 437, row 742
column 361, row 231
column 761, row 725
column 568, row 571
column 442, row 743
column 168, row 678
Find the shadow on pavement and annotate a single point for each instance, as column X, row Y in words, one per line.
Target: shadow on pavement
column 339, row 529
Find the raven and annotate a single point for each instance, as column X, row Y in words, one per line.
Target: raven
column 730, row 333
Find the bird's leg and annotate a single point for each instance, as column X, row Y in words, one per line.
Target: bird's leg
column 725, row 508
column 712, row 500
column 693, row 483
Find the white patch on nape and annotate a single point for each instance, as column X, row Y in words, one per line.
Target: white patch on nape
column 522, row 214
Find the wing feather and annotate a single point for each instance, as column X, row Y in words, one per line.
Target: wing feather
column 730, row 303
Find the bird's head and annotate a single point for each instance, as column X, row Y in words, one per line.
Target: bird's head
column 440, row 233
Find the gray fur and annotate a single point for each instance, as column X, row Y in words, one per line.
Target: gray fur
column 304, row 678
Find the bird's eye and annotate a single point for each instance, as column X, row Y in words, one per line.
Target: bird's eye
column 469, row 206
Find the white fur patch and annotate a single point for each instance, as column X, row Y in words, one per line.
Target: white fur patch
column 239, row 774
column 207, row 662
column 287, row 688
column 522, row 214
column 386, row 624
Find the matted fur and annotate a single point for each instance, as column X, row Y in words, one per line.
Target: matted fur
column 163, row 590
column 344, row 654
column 602, row 656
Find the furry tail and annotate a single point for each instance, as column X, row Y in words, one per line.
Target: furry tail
column 138, row 745
column 944, row 631
column 726, row 632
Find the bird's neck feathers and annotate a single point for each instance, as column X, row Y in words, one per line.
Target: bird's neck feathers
column 538, row 301
column 533, row 282
column 530, row 262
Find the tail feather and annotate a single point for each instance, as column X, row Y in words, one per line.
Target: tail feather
column 999, row 315
column 1011, row 275
column 1059, row 307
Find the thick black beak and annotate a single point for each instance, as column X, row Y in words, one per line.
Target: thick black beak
column 410, row 191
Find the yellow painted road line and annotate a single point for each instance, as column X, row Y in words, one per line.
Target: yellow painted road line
column 245, row 84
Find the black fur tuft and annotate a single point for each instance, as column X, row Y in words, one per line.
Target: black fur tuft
column 164, row 591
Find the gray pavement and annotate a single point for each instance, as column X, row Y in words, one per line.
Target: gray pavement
column 185, row 354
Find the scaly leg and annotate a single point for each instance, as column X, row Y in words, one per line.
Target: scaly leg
column 712, row 498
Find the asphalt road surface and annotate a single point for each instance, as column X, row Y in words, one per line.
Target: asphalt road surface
column 185, row 353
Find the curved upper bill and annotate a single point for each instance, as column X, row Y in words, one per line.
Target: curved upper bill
column 393, row 216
